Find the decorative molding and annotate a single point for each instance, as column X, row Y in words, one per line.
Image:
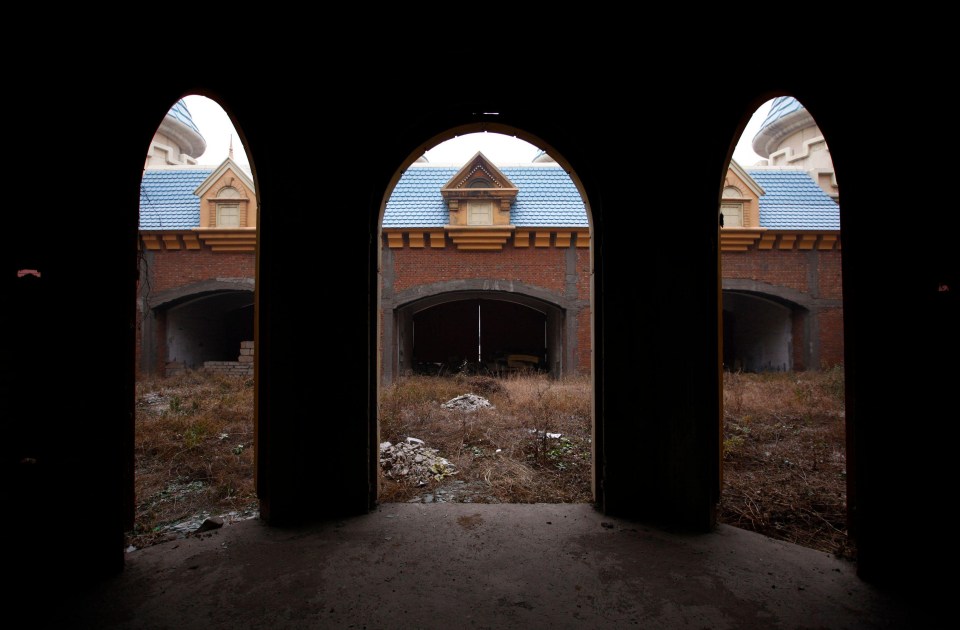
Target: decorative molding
column 583, row 238
column 739, row 239
column 218, row 240
column 744, row 239
column 229, row 240
column 486, row 237
column 494, row 188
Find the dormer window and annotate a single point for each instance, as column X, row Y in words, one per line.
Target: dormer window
column 227, row 200
column 478, row 200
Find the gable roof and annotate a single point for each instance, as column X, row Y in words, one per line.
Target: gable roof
column 793, row 201
column 167, row 199
column 227, row 165
column 480, row 166
column 744, row 177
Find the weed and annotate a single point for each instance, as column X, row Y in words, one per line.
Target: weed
column 194, row 438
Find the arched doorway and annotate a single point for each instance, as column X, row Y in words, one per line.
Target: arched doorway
column 194, row 423
column 758, row 332
column 485, row 269
column 784, row 448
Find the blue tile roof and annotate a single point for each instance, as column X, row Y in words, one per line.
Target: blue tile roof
column 780, row 107
column 547, row 197
column 167, row 201
column 181, row 113
column 793, row 201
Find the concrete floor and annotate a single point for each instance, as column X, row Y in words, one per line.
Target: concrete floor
column 456, row 565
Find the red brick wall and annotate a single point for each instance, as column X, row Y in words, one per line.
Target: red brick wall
column 786, row 268
column 583, row 342
column 171, row 269
column 831, row 338
column 831, row 282
column 542, row 267
column 793, row 269
column 583, row 273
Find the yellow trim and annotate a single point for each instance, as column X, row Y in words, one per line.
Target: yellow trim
column 229, row 240
column 486, row 237
column 218, row 240
column 744, row 239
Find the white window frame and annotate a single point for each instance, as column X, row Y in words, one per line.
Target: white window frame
column 482, row 210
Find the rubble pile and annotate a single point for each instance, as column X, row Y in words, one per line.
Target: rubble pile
column 467, row 402
column 412, row 462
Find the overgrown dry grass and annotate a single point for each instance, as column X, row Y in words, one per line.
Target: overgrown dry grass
column 508, row 453
column 193, row 450
column 784, row 464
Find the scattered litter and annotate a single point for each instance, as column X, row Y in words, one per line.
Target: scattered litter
column 553, row 436
column 467, row 402
column 412, row 462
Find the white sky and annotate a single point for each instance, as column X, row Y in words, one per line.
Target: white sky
column 217, row 130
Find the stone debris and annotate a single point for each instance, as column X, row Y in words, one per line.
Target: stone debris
column 412, row 462
column 467, row 402
column 554, row 436
column 212, row 522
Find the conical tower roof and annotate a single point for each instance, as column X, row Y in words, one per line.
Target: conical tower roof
column 786, row 117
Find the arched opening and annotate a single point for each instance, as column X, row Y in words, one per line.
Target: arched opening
column 513, row 332
column 206, row 331
column 194, row 428
column 784, row 447
column 485, row 301
column 758, row 332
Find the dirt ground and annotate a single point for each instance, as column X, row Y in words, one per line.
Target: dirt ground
column 784, row 464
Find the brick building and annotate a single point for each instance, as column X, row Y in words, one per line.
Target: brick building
column 487, row 266
column 198, row 234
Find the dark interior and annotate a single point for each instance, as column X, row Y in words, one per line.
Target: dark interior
column 323, row 166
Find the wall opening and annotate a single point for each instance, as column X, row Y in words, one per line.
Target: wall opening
column 784, row 446
column 195, row 383
column 485, row 362
column 758, row 333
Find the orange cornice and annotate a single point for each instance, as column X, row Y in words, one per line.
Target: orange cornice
column 745, row 239
column 217, row 239
column 487, row 237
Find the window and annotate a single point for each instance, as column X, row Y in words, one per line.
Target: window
column 732, row 214
column 732, row 211
column 228, row 208
column 480, row 213
column 228, row 215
